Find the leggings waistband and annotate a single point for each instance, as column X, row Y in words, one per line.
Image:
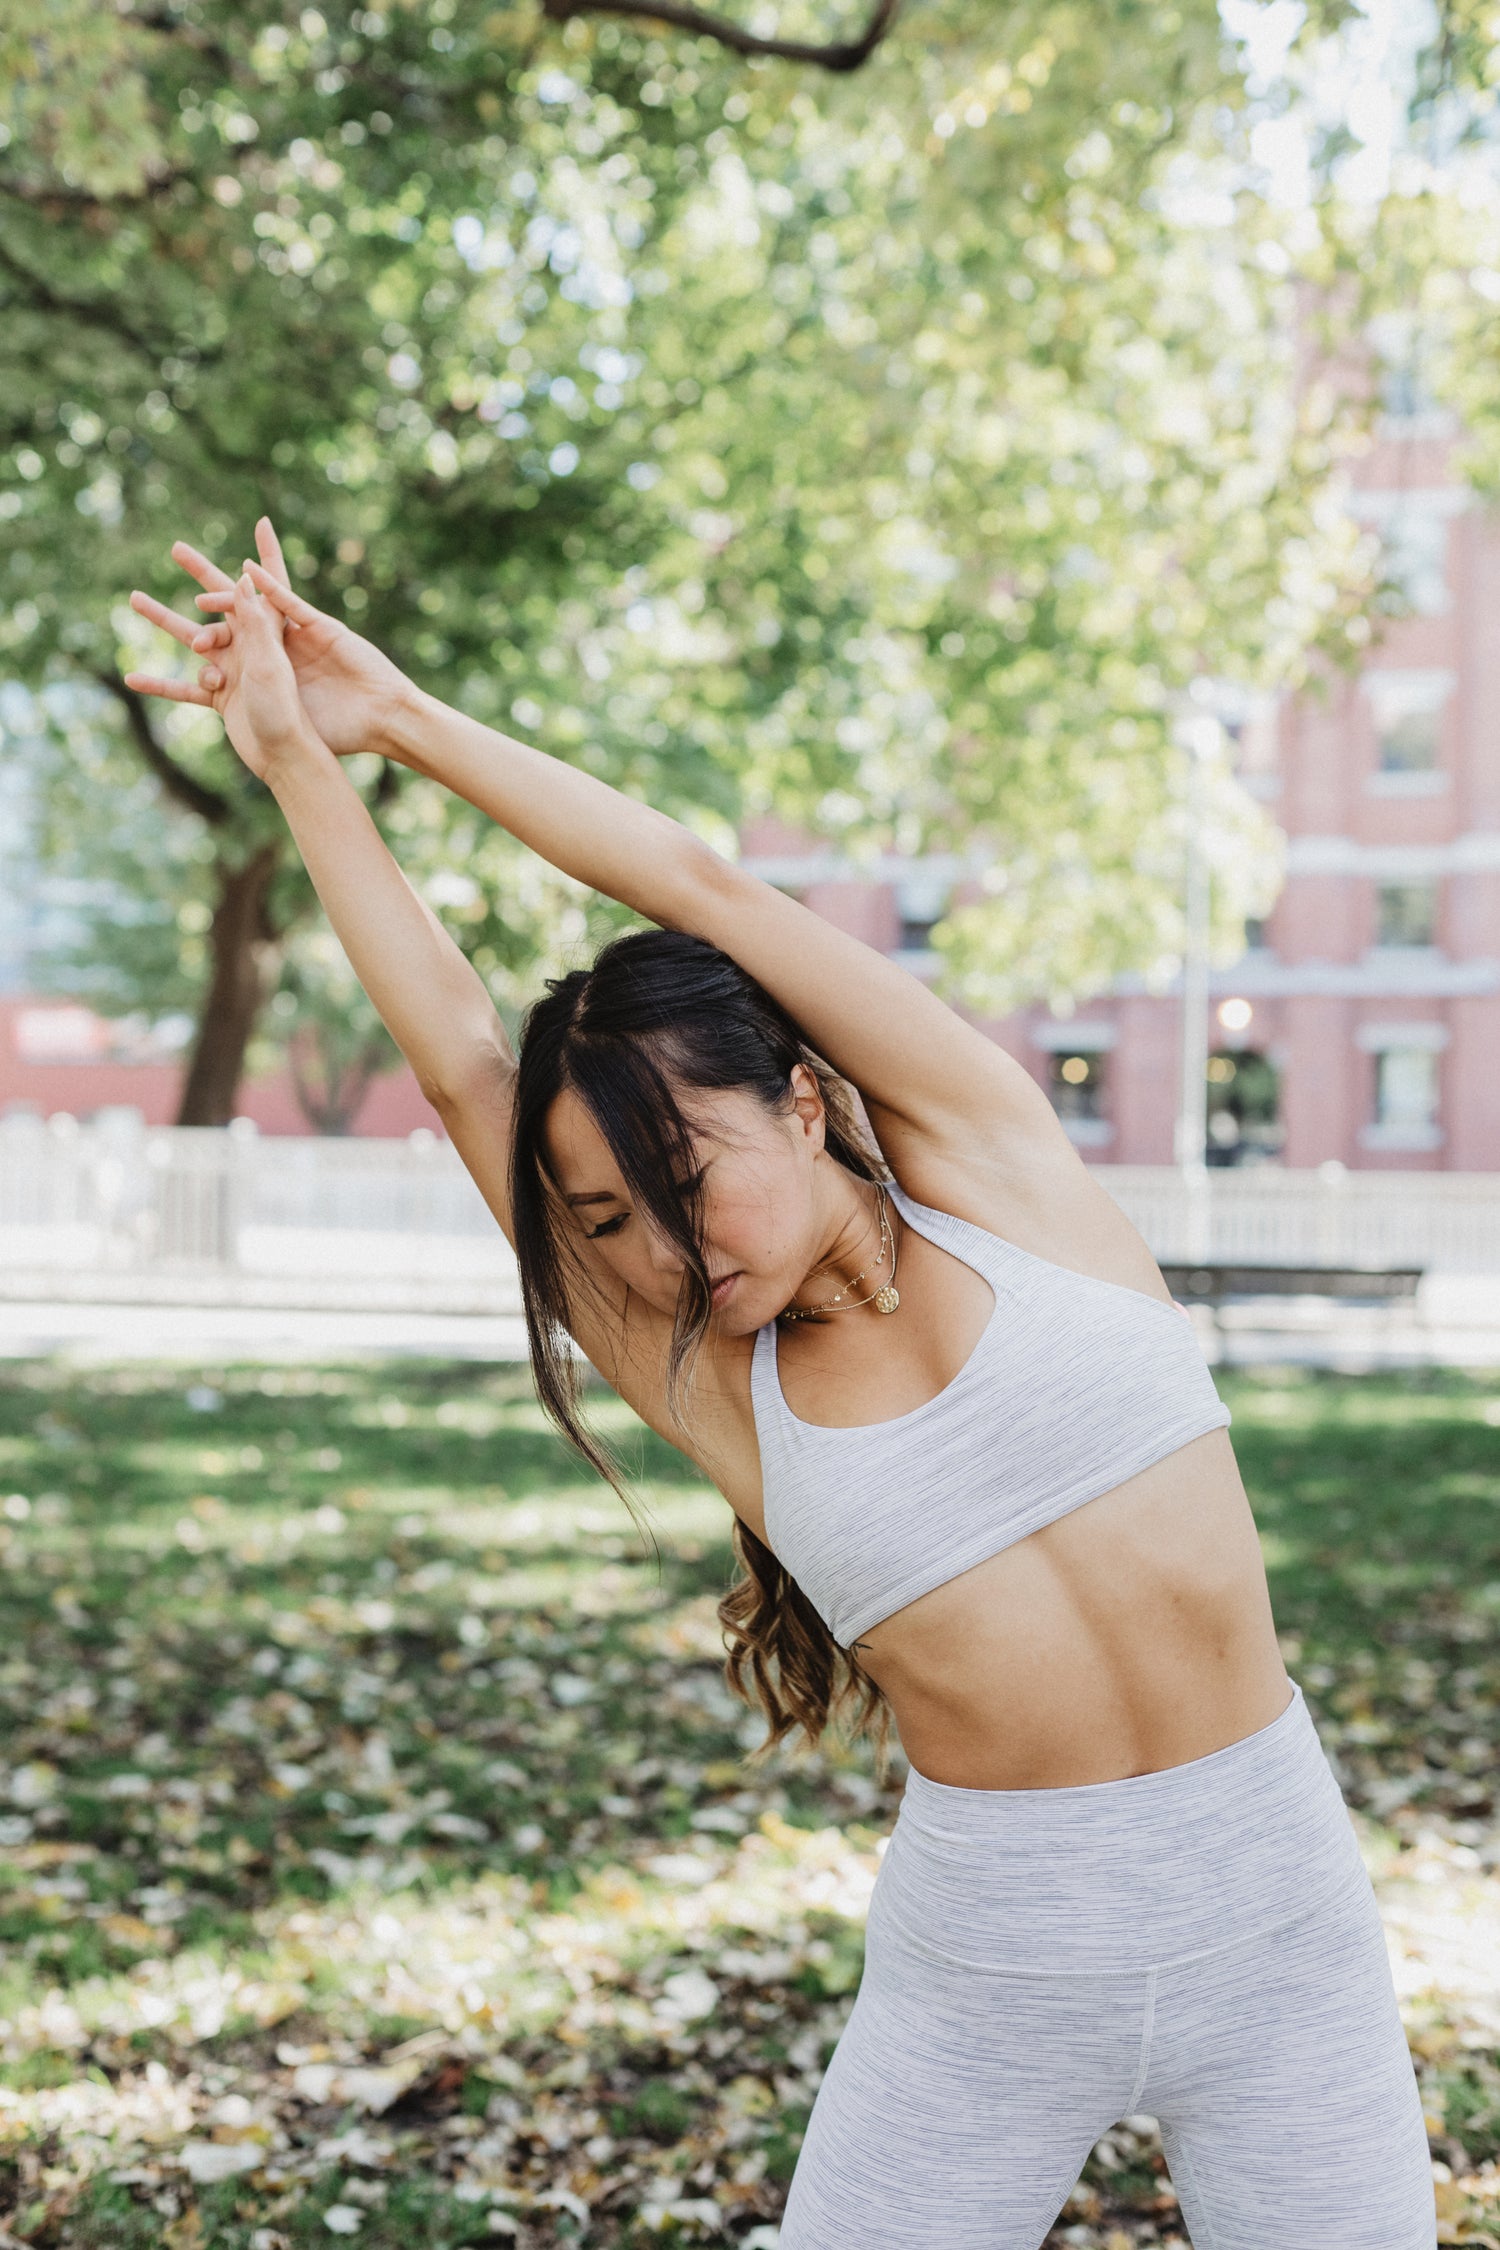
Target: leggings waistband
column 1117, row 1874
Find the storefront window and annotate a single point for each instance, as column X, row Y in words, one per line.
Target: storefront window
column 1244, row 1108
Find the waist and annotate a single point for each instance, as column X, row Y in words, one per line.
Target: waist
column 1107, row 1875
column 1137, row 1632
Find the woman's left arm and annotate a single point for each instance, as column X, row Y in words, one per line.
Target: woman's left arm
column 911, row 1055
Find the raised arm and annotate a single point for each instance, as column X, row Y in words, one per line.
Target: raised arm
column 880, row 1026
column 917, row 1063
column 432, row 1001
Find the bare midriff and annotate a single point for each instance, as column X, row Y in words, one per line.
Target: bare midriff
column 1133, row 1634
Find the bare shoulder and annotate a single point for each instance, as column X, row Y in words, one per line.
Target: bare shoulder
column 1023, row 1179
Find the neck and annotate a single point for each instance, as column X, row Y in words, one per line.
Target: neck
column 855, row 1256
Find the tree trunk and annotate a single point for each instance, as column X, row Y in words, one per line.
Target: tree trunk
column 331, row 1106
column 242, row 943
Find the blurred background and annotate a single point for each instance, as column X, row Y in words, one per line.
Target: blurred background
column 1022, row 476
column 1021, row 481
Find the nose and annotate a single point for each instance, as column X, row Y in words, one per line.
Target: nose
column 664, row 1256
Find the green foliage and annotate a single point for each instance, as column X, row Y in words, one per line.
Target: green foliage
column 893, row 452
column 75, row 103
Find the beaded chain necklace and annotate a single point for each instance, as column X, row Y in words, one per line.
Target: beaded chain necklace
column 885, row 1299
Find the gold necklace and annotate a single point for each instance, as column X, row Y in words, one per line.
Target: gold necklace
column 884, row 1299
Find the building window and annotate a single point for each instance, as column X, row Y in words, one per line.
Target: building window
column 1406, row 914
column 1254, row 736
column 923, row 889
column 1255, row 930
column 1407, row 709
column 1407, row 369
column 1413, row 528
column 1406, row 1087
column 1076, row 1084
column 1244, row 1108
column 1406, row 1084
column 1409, row 742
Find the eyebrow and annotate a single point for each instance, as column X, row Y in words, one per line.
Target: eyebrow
column 600, row 1195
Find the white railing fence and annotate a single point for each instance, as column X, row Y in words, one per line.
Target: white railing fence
column 244, row 1212
column 1444, row 1222
column 247, row 1214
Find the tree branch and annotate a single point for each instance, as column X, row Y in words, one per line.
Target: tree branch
column 90, row 314
column 838, row 54
column 196, row 796
column 47, row 197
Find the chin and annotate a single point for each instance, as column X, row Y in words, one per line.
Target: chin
column 736, row 1316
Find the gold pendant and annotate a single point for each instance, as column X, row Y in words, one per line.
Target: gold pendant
column 887, row 1299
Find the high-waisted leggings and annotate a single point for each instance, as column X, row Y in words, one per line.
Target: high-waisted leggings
column 1200, row 1945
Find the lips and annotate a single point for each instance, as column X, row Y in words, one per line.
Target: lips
column 722, row 1287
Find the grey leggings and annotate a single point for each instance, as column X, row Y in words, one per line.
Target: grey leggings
column 1201, row 1945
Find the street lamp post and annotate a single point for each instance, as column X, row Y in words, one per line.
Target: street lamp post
column 1200, row 739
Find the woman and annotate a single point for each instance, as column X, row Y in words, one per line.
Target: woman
column 981, row 1481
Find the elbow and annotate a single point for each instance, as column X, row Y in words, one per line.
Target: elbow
column 707, row 880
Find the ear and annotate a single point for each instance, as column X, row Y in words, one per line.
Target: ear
column 809, row 1111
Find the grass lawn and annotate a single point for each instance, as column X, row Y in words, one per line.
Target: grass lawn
column 378, row 1854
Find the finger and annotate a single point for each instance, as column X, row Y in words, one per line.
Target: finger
column 253, row 613
column 175, row 691
column 198, row 566
column 181, row 628
column 212, row 636
column 210, row 677
column 290, row 605
column 221, row 597
column 268, row 547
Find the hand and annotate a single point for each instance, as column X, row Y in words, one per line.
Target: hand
column 256, row 692
column 349, row 689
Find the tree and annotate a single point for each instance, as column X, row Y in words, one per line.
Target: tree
column 890, row 448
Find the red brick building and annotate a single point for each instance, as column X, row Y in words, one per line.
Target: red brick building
column 1363, row 1022
column 56, row 1055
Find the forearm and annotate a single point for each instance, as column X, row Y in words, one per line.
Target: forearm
column 630, row 851
column 431, row 1000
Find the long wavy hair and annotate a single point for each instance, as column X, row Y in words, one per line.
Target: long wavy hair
column 660, row 1014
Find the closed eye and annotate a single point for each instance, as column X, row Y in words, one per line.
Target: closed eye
column 613, row 1226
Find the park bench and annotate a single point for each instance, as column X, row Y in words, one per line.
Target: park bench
column 1210, row 1283
column 1214, row 1283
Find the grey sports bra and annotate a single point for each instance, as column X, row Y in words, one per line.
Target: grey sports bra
column 1074, row 1386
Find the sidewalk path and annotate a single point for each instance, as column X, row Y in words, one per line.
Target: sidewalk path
column 1454, row 1322
column 215, row 1335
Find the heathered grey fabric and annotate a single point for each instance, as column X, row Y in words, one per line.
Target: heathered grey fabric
column 1075, row 1385
column 1199, row 1944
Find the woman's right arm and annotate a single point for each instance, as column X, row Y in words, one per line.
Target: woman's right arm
column 432, row 1000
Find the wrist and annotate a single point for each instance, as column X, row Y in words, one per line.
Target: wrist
column 406, row 725
column 293, row 756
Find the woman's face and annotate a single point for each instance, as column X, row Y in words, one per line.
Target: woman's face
column 759, row 1214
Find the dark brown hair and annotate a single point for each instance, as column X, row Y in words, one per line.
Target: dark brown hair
column 659, row 1013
